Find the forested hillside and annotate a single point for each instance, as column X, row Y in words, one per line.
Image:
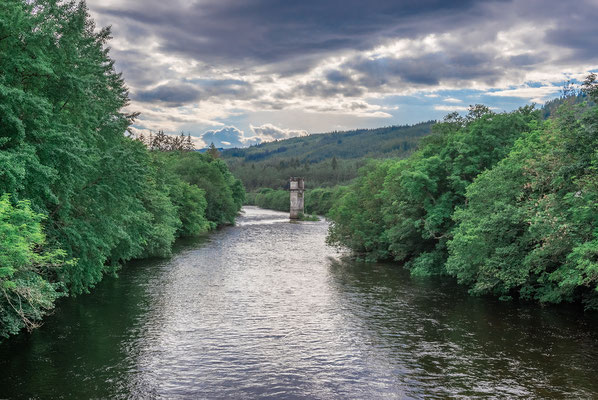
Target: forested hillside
column 506, row 203
column 570, row 97
column 323, row 159
column 77, row 196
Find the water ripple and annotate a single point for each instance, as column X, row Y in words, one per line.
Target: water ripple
column 266, row 310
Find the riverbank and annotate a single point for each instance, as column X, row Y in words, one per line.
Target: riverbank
column 318, row 201
column 80, row 192
column 265, row 309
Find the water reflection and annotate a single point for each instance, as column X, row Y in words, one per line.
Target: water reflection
column 450, row 344
column 266, row 310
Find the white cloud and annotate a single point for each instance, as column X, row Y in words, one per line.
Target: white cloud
column 229, row 136
column 533, row 94
column 268, row 132
column 448, row 108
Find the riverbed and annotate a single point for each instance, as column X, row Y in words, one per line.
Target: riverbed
column 265, row 309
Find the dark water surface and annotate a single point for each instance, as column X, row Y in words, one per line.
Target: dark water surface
column 266, row 310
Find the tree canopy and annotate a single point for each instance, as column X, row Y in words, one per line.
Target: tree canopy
column 89, row 196
column 507, row 203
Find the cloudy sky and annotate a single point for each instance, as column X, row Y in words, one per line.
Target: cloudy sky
column 235, row 72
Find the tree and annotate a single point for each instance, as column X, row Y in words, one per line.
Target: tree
column 65, row 156
column 411, row 202
column 189, row 146
column 25, row 293
column 477, row 111
column 590, row 86
column 529, row 227
column 213, row 151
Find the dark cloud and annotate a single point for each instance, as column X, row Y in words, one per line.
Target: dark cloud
column 527, row 60
column 173, row 94
column 325, row 89
column 269, row 31
column 138, row 67
column 176, row 94
column 295, row 34
column 360, row 74
column 572, row 25
column 163, row 46
column 336, row 76
column 427, row 69
column 356, row 106
column 278, row 104
column 579, row 38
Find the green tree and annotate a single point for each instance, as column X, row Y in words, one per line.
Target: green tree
column 357, row 216
column 529, row 228
column 224, row 194
column 26, row 294
column 213, row 151
column 403, row 209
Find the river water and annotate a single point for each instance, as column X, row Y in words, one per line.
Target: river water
column 266, row 310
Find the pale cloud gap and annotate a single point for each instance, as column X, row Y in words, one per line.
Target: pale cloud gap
column 536, row 95
column 450, row 108
column 212, row 67
column 231, row 136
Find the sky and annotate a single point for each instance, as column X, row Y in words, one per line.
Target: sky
column 240, row 72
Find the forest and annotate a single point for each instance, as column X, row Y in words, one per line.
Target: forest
column 78, row 195
column 505, row 203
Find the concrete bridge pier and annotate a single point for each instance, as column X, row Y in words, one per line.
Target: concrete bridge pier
column 297, row 187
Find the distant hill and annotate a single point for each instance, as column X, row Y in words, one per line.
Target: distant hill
column 220, row 149
column 329, row 159
column 324, row 159
column 391, row 141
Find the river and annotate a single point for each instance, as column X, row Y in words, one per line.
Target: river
column 266, row 310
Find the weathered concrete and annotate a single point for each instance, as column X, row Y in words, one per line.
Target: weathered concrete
column 297, row 187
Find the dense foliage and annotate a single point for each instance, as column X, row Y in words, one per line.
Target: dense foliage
column 84, row 197
column 531, row 225
column 507, row 203
column 402, row 209
column 25, row 292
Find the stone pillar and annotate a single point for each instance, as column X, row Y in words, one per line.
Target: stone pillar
column 297, row 187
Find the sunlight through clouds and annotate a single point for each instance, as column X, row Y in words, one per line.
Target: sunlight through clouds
column 200, row 66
